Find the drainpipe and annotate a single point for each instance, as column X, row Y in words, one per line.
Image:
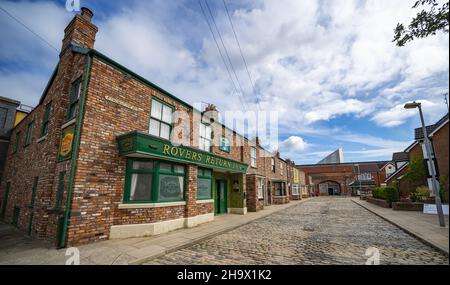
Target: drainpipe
column 62, row 241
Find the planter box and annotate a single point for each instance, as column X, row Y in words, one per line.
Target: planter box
column 378, row 202
column 407, row 206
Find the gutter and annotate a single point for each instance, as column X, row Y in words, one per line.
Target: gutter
column 62, row 241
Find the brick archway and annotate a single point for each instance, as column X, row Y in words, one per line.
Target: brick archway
column 329, row 187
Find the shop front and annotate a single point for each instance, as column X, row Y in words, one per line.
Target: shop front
column 186, row 185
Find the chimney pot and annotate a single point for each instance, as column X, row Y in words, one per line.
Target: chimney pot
column 86, row 13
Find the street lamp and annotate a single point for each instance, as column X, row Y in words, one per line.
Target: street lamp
column 431, row 167
column 359, row 178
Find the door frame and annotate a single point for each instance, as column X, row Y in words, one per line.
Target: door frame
column 217, row 207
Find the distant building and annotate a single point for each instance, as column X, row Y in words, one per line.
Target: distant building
column 336, row 156
column 8, row 117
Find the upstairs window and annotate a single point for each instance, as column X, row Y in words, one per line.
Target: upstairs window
column 46, row 119
column 74, row 99
column 204, row 141
column 281, row 168
column 29, row 135
column 160, row 119
column 273, row 164
column 253, row 157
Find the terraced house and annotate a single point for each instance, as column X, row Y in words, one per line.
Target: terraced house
column 108, row 154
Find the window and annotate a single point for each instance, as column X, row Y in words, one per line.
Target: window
column 60, row 190
column 204, row 142
column 273, row 164
column 204, row 184
column 253, row 157
column 154, row 181
column 281, row 168
column 16, row 143
column 33, row 191
column 46, row 119
column 295, row 189
column 29, row 135
column 260, row 188
column 160, row 119
column 280, row 189
column 364, row 177
column 224, row 144
column 74, row 98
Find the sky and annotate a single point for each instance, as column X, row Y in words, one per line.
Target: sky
column 329, row 69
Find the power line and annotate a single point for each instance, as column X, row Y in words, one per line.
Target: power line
column 242, row 55
column 221, row 55
column 29, row 29
column 225, row 48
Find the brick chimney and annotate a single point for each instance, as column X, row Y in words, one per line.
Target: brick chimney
column 211, row 113
column 80, row 31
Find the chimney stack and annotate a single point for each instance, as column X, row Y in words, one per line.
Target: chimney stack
column 80, row 31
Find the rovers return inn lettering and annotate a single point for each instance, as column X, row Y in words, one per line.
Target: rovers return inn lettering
column 183, row 153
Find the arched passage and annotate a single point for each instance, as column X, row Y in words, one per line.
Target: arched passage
column 329, row 187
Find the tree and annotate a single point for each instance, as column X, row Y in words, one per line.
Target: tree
column 425, row 23
column 417, row 172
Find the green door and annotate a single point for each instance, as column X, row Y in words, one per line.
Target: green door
column 220, row 203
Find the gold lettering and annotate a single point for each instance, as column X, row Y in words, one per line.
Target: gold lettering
column 188, row 154
column 199, row 157
column 166, row 149
column 194, row 156
column 208, row 159
column 174, row 151
column 182, row 151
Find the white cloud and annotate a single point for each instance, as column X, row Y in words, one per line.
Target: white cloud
column 397, row 115
column 293, row 144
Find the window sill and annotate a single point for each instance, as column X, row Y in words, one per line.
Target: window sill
column 68, row 123
column 151, row 205
column 43, row 138
column 205, row 201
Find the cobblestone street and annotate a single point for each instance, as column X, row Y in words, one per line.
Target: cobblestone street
column 319, row 231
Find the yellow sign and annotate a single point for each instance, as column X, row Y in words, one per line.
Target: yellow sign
column 65, row 149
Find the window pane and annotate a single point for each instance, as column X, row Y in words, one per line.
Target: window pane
column 202, row 130
column 156, row 109
column 170, row 187
column 201, row 143
column 179, row 168
column 207, row 145
column 204, row 188
column 165, row 167
column 143, row 165
column 165, row 131
column 167, row 114
column 154, row 127
column 208, row 132
column 141, row 187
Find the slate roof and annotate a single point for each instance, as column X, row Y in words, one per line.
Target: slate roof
column 418, row 134
column 400, row 156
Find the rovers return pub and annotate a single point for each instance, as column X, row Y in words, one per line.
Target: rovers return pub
column 104, row 155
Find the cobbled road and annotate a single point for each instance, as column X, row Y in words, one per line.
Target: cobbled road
column 329, row 230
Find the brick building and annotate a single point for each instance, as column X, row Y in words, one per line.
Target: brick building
column 108, row 154
column 343, row 178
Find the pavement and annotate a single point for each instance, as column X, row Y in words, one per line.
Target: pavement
column 324, row 230
column 423, row 226
column 15, row 248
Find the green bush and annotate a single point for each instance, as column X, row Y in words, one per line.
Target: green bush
column 389, row 194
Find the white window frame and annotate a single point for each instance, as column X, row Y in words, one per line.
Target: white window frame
column 260, row 188
column 253, row 162
column 295, row 189
column 281, row 168
column 205, row 137
column 161, row 119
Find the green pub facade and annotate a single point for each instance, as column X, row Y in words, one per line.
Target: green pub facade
column 104, row 155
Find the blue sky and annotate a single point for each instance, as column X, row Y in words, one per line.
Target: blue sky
column 328, row 68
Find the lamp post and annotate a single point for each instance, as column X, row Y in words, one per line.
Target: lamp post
column 431, row 167
column 359, row 180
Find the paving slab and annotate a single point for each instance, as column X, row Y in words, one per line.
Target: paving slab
column 423, row 226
